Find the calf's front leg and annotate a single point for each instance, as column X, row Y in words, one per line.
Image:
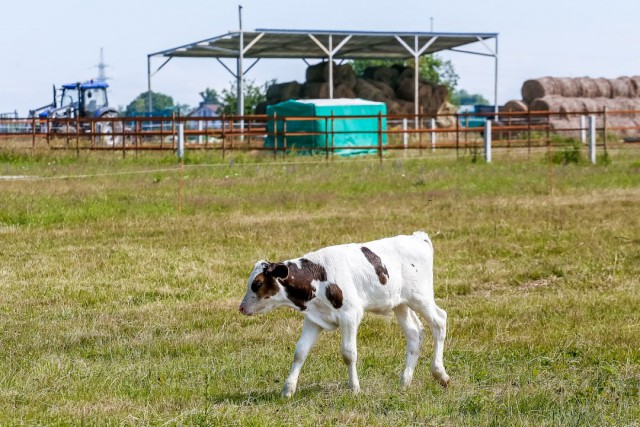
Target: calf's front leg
column 310, row 333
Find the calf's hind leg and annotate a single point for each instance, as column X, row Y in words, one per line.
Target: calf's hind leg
column 414, row 332
column 437, row 320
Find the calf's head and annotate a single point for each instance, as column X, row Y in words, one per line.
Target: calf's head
column 264, row 284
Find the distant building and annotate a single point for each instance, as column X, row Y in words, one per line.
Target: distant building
column 207, row 110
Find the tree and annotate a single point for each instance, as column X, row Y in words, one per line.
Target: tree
column 140, row 105
column 432, row 68
column 253, row 94
column 210, row 96
column 462, row 97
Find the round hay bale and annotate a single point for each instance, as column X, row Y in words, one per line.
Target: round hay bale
column 548, row 103
column 592, row 105
column 344, row 75
column 343, row 91
column 383, row 87
column 622, row 87
column 284, row 91
column 587, row 88
column 604, row 87
column 319, row 72
column 566, row 86
column 394, row 107
column 570, row 106
column 407, row 73
column 538, row 88
column 366, row 90
column 635, row 85
column 425, row 97
column 314, row 90
column 407, row 107
column 400, row 68
column 426, row 91
column 445, row 118
column 405, row 90
column 441, row 94
column 387, row 75
column 515, row 106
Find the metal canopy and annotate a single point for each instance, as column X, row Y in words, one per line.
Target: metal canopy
column 272, row 43
column 327, row 45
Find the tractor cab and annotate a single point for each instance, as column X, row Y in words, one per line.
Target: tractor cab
column 88, row 99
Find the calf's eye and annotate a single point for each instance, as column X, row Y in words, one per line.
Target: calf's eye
column 255, row 286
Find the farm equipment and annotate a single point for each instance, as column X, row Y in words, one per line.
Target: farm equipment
column 78, row 101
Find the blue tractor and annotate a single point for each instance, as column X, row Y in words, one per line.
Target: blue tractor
column 79, row 101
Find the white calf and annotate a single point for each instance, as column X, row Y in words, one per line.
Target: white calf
column 334, row 286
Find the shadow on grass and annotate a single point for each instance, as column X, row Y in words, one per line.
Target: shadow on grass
column 272, row 396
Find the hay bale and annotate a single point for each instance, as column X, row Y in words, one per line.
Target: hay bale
column 386, row 75
column 407, row 73
column 588, row 88
column 344, row 75
column 407, row 107
column 394, row 107
column 441, row 94
column 635, row 85
column 343, row 91
column 622, row 87
column 426, row 99
column 569, row 107
column 319, row 72
column 284, row 91
column 383, row 87
column 604, row 87
column 550, row 103
column 445, row 118
column 566, row 86
column 314, row 90
column 581, row 87
column 366, row 90
column 515, row 106
column 405, row 90
column 538, row 88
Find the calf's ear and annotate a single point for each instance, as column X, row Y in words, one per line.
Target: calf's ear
column 278, row 270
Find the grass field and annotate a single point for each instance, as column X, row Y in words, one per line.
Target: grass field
column 120, row 280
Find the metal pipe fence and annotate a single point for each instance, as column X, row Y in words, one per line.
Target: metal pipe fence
column 464, row 132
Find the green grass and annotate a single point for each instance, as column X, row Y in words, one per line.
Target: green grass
column 118, row 301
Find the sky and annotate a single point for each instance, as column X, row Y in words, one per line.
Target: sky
column 44, row 43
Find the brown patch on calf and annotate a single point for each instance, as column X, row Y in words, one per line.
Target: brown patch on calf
column 334, row 295
column 375, row 260
column 264, row 286
column 298, row 283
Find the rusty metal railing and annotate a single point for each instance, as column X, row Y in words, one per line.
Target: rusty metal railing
column 229, row 133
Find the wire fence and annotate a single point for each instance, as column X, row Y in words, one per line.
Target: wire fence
column 463, row 132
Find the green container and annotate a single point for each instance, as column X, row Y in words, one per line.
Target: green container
column 354, row 123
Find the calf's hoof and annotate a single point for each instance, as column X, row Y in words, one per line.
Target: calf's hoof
column 288, row 391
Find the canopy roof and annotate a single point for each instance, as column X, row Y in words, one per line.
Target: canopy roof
column 278, row 43
column 326, row 45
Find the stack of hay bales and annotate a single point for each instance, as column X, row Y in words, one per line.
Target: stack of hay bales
column 581, row 95
column 392, row 85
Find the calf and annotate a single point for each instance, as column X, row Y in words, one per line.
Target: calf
column 334, row 286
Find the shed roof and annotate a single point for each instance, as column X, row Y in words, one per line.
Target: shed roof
column 285, row 43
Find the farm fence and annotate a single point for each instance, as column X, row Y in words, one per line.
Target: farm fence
column 462, row 132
